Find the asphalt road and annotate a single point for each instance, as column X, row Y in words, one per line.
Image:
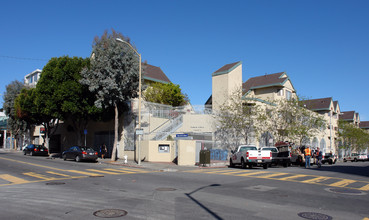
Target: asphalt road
column 41, row 188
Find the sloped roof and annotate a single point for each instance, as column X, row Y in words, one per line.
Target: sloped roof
column 154, row 73
column 227, row 68
column 349, row 115
column 318, row 104
column 364, row 124
column 275, row 79
column 335, row 104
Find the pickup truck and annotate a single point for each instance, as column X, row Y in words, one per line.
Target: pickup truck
column 249, row 155
column 280, row 155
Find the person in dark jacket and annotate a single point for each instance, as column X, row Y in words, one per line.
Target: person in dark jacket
column 319, row 157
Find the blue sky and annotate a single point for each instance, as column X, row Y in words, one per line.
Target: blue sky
column 322, row 45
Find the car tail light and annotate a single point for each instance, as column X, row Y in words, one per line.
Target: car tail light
column 270, row 154
column 95, row 153
column 247, row 154
column 36, row 149
column 84, row 152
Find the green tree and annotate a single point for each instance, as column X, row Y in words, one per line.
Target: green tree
column 17, row 127
column 237, row 122
column 60, row 95
column 290, row 120
column 352, row 137
column 113, row 75
column 165, row 93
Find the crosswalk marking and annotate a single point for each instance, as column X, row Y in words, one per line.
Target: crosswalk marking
column 102, row 171
column 366, row 188
column 39, row 176
column 58, row 174
column 343, row 183
column 251, row 173
column 273, row 175
column 13, row 179
column 292, row 177
column 119, row 170
column 316, row 180
column 302, row 178
column 84, row 173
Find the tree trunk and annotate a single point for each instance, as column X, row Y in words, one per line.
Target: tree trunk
column 113, row 155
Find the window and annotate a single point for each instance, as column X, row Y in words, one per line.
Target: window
column 163, row 148
column 288, row 95
column 280, row 92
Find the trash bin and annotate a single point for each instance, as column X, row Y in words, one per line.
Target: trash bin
column 204, row 157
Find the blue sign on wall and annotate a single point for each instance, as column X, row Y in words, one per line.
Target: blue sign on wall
column 181, row 135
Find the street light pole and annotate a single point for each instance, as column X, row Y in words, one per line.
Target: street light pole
column 139, row 96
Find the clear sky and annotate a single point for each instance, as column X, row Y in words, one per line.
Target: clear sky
column 323, row 45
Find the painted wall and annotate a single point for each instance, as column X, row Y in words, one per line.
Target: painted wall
column 186, row 152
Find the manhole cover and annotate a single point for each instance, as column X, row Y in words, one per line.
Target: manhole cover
column 314, row 216
column 110, row 213
column 55, row 183
column 165, row 189
column 346, row 191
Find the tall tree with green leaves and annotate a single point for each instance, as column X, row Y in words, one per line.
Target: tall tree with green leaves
column 17, row 127
column 165, row 93
column 113, row 75
column 237, row 122
column 61, row 96
column 352, row 137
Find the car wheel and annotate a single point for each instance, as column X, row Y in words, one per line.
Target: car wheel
column 355, row 160
column 243, row 164
column 344, row 160
column 231, row 164
column 250, row 166
column 265, row 166
column 64, row 157
column 285, row 165
column 78, row 159
column 24, row 152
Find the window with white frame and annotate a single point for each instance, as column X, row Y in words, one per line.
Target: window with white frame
column 288, row 95
column 280, row 92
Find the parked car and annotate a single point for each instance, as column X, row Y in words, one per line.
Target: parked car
column 355, row 157
column 80, row 153
column 34, row 149
column 329, row 158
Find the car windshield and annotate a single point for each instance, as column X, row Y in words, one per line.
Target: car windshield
column 87, row 149
column 271, row 149
column 247, row 148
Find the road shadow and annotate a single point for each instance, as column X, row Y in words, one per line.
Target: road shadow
column 189, row 195
column 353, row 170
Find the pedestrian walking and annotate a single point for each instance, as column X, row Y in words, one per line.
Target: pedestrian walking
column 103, row 151
column 307, row 156
column 319, row 157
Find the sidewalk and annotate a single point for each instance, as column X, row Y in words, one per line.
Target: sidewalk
column 162, row 166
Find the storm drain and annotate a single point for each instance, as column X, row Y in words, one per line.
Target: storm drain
column 55, row 183
column 110, row 213
column 165, row 189
column 314, row 216
column 353, row 192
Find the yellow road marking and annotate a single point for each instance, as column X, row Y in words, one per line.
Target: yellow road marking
column 366, row 188
column 84, row 173
column 273, row 175
column 291, row 177
column 32, row 164
column 316, row 179
column 365, row 219
column 118, row 170
column 253, row 173
column 343, row 183
column 102, row 171
column 13, row 179
column 40, row 176
column 59, row 174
